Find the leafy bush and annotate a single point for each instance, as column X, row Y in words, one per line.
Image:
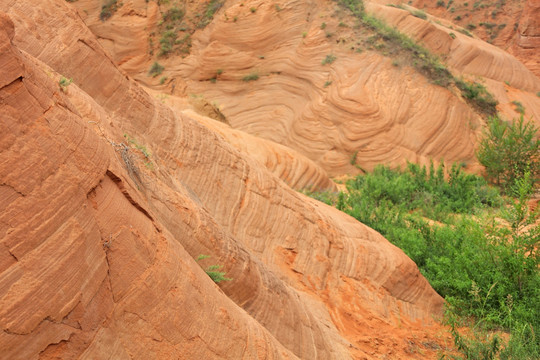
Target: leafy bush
column 211, row 8
column 174, row 14
column 108, row 9
column 478, row 96
column 420, row 14
column 330, row 58
column 64, row 83
column 251, row 77
column 508, row 151
column 156, row 69
column 519, row 107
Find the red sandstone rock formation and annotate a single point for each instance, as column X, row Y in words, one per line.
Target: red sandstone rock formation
column 109, row 191
column 97, row 249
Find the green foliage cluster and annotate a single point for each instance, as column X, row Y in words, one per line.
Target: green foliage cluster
column 108, row 9
column 156, row 69
column 356, row 7
column 445, row 222
column 519, row 107
column 330, row 58
column 478, row 96
column 420, row 14
column 424, row 61
column 251, row 77
column 64, row 83
column 138, row 146
column 212, row 271
column 508, row 151
column 171, row 24
column 465, row 32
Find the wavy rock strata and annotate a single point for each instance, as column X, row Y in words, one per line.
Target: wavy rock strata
column 97, row 249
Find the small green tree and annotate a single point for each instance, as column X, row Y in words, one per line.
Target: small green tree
column 212, row 271
column 509, row 150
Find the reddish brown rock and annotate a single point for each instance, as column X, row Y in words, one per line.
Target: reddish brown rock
column 98, row 249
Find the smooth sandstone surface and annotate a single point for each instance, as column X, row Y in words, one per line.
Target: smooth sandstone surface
column 98, row 241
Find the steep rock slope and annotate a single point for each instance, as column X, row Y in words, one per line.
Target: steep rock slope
column 86, row 271
column 97, row 248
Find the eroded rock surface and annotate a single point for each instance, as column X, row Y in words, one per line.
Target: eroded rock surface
column 107, row 196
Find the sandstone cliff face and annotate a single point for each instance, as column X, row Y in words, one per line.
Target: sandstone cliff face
column 97, row 248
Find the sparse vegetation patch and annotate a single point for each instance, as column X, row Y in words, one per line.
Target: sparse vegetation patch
column 330, row 58
column 211, row 8
column 156, row 69
column 251, row 77
column 212, row 271
column 478, row 96
column 108, row 9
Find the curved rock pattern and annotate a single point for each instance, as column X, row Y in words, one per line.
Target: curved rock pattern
column 360, row 103
column 98, row 249
column 465, row 54
column 292, row 167
column 507, row 78
column 86, row 271
column 512, row 26
column 295, row 103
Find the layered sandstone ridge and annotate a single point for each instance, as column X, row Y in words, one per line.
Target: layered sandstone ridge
column 97, row 248
column 504, row 76
column 510, row 25
column 364, row 106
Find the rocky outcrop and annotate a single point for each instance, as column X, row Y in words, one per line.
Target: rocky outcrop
column 107, row 196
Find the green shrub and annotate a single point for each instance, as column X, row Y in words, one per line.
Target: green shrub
column 156, row 69
column 478, row 96
column 519, row 107
column 463, row 31
column 211, row 8
column 64, row 83
column 508, row 151
column 108, row 9
column 330, row 58
column 251, row 77
column 167, row 41
column 445, row 221
column 420, row 14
